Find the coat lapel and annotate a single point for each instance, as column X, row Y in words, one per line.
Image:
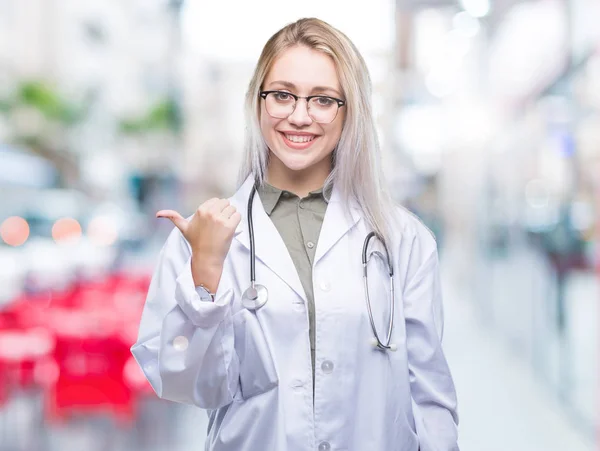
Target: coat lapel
column 269, row 246
column 336, row 224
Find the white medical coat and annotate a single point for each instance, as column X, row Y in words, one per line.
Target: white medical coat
column 252, row 370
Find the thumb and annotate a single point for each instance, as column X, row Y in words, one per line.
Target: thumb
column 180, row 222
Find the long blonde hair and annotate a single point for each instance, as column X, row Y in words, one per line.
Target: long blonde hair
column 356, row 170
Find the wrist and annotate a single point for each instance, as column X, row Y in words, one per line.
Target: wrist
column 207, row 259
column 206, row 273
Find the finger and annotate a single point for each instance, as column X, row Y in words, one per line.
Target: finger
column 206, row 206
column 179, row 221
column 228, row 211
column 218, row 207
column 234, row 220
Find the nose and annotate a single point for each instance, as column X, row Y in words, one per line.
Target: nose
column 300, row 116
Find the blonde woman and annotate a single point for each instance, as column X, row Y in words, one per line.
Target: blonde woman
column 259, row 310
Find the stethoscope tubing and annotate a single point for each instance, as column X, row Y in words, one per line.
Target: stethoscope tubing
column 254, row 291
column 377, row 342
column 251, row 233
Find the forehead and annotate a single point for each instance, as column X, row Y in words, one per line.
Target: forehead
column 305, row 68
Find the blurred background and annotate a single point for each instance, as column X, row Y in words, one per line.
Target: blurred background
column 489, row 118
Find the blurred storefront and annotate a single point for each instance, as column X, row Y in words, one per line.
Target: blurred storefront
column 544, row 196
column 500, row 107
column 489, row 119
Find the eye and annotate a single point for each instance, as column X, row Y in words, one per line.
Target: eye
column 324, row 101
column 282, row 96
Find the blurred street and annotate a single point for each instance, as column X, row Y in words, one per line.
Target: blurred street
column 502, row 406
column 488, row 114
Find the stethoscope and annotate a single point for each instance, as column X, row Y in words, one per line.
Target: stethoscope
column 256, row 295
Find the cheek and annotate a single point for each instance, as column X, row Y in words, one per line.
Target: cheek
column 335, row 132
column 336, row 127
column 267, row 127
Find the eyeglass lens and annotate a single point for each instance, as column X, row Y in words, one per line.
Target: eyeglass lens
column 320, row 109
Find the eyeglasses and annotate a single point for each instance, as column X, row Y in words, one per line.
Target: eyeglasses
column 281, row 104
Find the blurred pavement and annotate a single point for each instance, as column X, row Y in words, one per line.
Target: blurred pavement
column 502, row 407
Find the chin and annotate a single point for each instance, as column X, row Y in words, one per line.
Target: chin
column 295, row 163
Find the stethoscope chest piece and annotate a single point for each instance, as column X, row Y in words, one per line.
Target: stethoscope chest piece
column 255, row 297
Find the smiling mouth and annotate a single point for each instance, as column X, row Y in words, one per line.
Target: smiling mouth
column 299, row 138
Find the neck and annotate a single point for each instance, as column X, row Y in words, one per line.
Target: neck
column 298, row 182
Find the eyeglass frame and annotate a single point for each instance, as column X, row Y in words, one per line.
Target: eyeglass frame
column 340, row 103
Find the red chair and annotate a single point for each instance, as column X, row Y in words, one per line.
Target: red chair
column 21, row 351
column 75, row 344
column 136, row 379
column 91, row 357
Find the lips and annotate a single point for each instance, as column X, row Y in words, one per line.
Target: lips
column 299, row 138
column 298, row 141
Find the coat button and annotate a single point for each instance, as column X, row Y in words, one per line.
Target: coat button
column 327, row 366
column 325, row 286
column 180, row 343
column 149, row 367
column 324, row 446
column 310, row 245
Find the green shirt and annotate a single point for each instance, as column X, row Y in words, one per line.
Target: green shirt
column 299, row 222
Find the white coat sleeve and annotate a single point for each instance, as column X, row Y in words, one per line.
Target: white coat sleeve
column 185, row 346
column 432, row 388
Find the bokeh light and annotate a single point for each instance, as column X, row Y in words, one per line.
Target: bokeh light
column 14, row 231
column 488, row 119
column 102, row 231
column 66, row 229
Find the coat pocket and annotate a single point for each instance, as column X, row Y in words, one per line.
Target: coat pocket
column 257, row 370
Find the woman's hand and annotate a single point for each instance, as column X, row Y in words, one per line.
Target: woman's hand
column 210, row 230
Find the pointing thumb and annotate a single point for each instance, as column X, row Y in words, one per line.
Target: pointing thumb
column 179, row 221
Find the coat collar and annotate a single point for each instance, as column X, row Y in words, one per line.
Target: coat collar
column 269, row 246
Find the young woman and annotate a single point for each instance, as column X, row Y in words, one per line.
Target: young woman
column 258, row 310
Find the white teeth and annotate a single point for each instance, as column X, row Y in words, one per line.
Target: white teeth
column 300, row 139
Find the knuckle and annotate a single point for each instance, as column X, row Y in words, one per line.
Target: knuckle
column 208, row 202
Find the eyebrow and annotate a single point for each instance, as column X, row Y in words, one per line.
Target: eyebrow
column 289, row 85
